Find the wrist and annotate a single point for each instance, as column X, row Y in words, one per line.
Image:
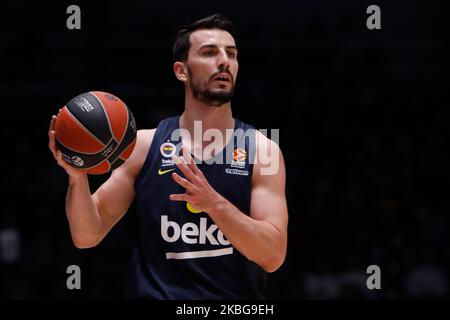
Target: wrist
column 218, row 205
column 77, row 179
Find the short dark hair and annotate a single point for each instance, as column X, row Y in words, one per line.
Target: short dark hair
column 182, row 44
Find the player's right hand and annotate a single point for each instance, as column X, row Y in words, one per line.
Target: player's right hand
column 57, row 154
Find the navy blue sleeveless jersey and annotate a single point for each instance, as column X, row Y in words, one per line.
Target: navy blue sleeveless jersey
column 181, row 253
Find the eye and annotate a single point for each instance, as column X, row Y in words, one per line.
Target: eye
column 232, row 54
column 208, row 53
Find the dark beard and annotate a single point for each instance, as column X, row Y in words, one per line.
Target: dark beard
column 212, row 98
column 209, row 97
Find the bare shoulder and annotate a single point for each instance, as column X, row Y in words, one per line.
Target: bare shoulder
column 135, row 162
column 269, row 159
column 264, row 143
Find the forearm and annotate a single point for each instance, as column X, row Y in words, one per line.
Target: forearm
column 259, row 241
column 82, row 213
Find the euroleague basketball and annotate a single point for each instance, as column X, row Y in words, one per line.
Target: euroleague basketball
column 96, row 132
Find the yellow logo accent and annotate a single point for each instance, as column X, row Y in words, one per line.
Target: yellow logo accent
column 160, row 172
column 189, row 207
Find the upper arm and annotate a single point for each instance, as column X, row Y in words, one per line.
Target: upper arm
column 268, row 198
column 114, row 197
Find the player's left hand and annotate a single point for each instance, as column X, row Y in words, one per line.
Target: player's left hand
column 199, row 193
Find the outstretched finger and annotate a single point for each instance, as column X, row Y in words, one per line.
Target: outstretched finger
column 52, row 124
column 179, row 197
column 51, row 142
column 190, row 162
column 180, row 163
column 182, row 182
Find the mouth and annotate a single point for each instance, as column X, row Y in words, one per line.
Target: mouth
column 223, row 77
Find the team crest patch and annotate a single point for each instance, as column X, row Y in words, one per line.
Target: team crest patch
column 167, row 149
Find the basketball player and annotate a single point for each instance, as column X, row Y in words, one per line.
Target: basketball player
column 208, row 230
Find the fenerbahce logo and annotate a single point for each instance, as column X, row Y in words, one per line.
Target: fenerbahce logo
column 167, row 149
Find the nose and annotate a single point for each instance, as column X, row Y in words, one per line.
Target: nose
column 223, row 62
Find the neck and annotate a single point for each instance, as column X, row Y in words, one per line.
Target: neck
column 219, row 117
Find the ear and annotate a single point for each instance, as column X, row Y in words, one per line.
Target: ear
column 180, row 70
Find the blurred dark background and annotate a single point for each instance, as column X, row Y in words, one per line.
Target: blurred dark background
column 363, row 117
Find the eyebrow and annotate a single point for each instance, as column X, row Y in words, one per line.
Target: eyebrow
column 214, row 46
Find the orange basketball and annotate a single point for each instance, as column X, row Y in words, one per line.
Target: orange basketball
column 96, row 132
